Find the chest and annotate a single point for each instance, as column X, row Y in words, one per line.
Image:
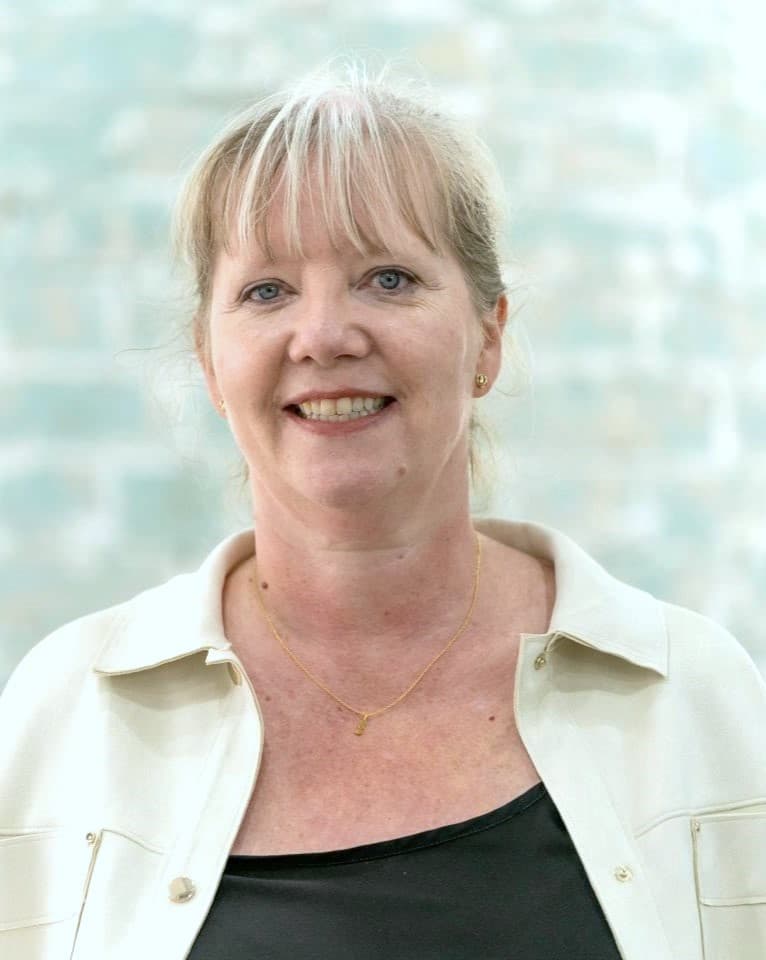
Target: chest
column 317, row 793
column 449, row 752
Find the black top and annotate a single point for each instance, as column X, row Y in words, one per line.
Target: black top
column 507, row 884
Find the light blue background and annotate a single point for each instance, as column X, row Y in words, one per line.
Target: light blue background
column 632, row 141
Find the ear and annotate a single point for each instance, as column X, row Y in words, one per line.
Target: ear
column 491, row 356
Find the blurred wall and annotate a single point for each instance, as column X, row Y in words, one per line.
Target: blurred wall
column 632, row 141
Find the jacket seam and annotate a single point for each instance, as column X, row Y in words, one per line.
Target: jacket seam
column 685, row 812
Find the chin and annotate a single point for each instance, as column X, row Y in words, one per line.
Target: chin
column 346, row 488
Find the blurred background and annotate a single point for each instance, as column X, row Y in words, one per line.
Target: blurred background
column 631, row 137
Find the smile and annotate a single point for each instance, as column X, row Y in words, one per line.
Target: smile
column 340, row 409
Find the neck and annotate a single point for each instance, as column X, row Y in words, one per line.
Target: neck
column 369, row 599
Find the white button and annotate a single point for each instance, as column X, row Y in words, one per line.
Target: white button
column 181, row 890
column 623, row 874
column 540, row 661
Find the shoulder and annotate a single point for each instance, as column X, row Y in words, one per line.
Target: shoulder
column 160, row 624
column 68, row 653
column 710, row 712
column 49, row 688
column 62, row 655
column 77, row 638
column 714, row 670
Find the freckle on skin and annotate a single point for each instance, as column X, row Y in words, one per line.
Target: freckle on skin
column 264, row 586
column 491, row 718
column 401, row 471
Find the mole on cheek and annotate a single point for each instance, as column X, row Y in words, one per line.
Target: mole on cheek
column 401, row 471
column 264, row 586
column 491, row 718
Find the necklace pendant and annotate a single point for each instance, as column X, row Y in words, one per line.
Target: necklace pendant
column 361, row 726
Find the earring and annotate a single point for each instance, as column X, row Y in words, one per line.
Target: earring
column 481, row 380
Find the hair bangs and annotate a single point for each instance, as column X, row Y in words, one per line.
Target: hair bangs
column 362, row 181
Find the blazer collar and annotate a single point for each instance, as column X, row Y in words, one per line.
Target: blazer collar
column 592, row 607
column 176, row 619
column 184, row 616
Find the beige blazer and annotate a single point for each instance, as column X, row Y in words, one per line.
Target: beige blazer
column 131, row 741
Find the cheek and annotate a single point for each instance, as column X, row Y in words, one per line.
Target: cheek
column 242, row 366
column 454, row 359
column 442, row 343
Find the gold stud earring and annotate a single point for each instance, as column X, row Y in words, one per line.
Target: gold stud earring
column 481, row 380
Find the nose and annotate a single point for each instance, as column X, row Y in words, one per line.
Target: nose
column 326, row 329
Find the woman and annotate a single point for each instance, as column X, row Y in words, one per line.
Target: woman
column 372, row 726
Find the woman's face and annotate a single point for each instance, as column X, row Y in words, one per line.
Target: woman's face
column 397, row 328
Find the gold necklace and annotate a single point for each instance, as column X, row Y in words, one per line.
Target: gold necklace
column 366, row 715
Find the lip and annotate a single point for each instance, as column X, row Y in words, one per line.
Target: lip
column 334, row 395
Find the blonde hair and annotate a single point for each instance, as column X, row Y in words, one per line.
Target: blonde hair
column 370, row 142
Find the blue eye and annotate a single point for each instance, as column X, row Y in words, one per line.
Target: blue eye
column 390, row 279
column 264, row 291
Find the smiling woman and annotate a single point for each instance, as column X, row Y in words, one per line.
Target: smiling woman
column 388, row 324
column 372, row 725
column 370, row 173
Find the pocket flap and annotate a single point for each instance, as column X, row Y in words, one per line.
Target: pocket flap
column 42, row 876
column 731, row 858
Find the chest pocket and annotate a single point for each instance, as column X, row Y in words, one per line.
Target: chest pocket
column 730, row 872
column 43, row 881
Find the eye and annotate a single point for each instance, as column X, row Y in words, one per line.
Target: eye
column 392, row 278
column 262, row 291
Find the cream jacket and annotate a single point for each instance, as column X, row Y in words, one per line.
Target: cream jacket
column 131, row 742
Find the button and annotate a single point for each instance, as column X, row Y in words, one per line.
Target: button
column 181, row 890
column 91, row 838
column 540, row 661
column 236, row 676
column 623, row 874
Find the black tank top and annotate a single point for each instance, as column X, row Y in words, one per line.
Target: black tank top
column 506, row 884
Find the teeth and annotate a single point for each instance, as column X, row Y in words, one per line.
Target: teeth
column 342, row 408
